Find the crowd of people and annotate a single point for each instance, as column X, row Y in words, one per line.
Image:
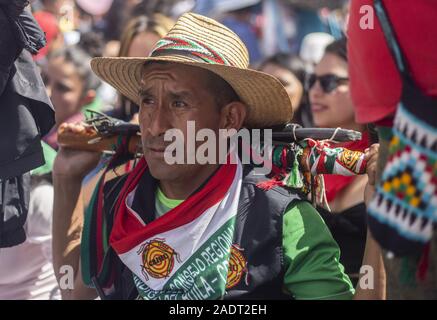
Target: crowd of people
column 149, row 230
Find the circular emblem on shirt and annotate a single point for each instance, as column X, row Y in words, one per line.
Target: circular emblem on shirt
column 237, row 267
column 158, row 259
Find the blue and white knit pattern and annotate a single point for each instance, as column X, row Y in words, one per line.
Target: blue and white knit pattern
column 405, row 203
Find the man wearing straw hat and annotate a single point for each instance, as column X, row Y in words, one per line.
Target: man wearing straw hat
column 191, row 231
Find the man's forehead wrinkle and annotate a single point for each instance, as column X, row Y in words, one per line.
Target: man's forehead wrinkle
column 147, row 88
column 146, row 91
column 159, row 75
column 149, row 82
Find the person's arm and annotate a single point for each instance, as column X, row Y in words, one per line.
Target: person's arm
column 68, row 171
column 373, row 259
column 312, row 267
column 67, row 228
column 372, row 253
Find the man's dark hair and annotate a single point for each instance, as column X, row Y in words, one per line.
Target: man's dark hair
column 287, row 61
column 81, row 60
column 92, row 43
column 339, row 48
column 222, row 90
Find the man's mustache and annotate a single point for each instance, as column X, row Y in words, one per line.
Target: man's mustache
column 156, row 143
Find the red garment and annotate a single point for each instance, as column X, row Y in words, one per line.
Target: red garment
column 375, row 82
column 335, row 183
column 129, row 232
column 49, row 24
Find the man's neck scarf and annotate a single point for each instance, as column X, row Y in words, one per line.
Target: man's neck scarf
column 184, row 254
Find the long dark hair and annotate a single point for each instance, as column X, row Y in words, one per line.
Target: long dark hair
column 296, row 66
column 81, row 61
column 339, row 48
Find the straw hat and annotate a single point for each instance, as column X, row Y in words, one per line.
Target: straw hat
column 202, row 42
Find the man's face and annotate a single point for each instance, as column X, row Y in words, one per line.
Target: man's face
column 171, row 95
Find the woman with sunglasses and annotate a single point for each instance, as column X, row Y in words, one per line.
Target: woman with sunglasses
column 331, row 106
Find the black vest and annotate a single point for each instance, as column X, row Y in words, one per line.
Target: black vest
column 258, row 235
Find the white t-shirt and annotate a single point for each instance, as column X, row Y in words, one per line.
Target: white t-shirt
column 26, row 270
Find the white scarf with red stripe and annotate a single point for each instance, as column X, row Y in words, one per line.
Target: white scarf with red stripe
column 183, row 254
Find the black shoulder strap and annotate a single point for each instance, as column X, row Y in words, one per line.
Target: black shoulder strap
column 123, row 283
column 392, row 41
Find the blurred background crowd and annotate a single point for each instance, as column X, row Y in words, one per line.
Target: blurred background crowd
column 284, row 37
column 301, row 42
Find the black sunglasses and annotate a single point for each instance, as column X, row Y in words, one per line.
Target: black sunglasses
column 328, row 82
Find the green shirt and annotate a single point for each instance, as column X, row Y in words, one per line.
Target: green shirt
column 313, row 269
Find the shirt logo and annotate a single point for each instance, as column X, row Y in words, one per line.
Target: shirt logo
column 237, row 267
column 158, row 259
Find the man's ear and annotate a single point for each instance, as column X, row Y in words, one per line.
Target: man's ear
column 89, row 97
column 233, row 115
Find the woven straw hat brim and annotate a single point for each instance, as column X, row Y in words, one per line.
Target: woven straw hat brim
column 268, row 102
